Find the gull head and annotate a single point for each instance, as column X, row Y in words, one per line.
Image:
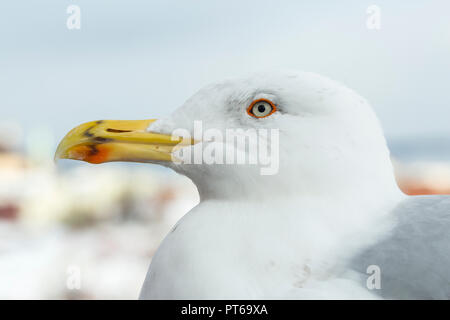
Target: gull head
column 270, row 134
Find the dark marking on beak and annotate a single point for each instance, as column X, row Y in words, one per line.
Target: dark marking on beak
column 117, row 130
column 87, row 133
column 93, row 150
column 102, row 140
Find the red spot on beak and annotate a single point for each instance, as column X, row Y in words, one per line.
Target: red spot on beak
column 96, row 153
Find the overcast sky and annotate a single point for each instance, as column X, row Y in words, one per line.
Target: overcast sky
column 141, row 59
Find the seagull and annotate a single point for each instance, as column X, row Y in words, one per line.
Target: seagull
column 329, row 222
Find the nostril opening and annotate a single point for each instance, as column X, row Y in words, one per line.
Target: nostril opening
column 117, row 130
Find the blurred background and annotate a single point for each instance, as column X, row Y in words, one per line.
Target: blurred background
column 78, row 231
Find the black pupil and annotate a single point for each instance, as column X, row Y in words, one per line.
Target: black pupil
column 261, row 108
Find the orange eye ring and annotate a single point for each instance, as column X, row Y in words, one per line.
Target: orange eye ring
column 254, row 103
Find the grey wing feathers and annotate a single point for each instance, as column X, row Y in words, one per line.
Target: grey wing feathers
column 414, row 257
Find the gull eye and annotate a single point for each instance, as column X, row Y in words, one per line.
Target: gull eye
column 261, row 108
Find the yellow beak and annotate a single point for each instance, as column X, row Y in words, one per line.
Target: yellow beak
column 118, row 140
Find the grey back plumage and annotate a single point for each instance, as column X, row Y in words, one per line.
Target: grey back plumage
column 414, row 257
